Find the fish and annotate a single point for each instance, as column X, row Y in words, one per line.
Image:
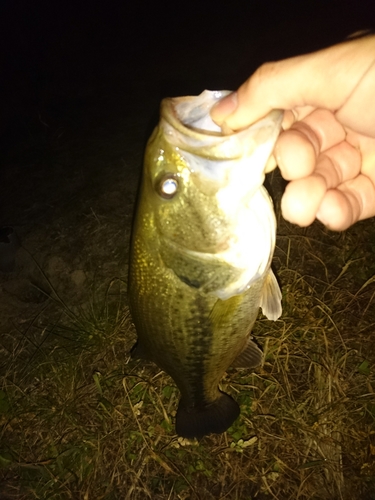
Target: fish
column 202, row 243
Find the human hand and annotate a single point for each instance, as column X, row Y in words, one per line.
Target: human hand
column 327, row 149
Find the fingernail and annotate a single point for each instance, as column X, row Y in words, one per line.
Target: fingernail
column 224, row 108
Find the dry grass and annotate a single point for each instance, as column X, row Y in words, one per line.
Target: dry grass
column 80, row 420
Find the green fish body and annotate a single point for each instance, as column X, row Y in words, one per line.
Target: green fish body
column 202, row 245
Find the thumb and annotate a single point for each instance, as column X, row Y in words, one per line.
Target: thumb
column 323, row 79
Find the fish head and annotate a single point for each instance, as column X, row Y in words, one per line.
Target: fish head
column 203, row 185
column 184, row 199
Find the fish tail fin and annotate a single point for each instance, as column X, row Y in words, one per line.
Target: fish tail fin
column 213, row 418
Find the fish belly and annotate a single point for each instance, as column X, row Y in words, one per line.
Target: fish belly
column 192, row 336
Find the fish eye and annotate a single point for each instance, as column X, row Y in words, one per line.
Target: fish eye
column 167, row 186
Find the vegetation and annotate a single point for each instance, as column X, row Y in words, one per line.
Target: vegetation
column 81, row 420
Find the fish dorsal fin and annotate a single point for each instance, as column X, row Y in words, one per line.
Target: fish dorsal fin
column 250, row 357
column 271, row 297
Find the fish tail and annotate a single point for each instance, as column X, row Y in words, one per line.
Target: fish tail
column 216, row 417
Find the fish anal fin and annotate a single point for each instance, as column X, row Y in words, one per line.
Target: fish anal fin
column 271, row 297
column 250, row 357
column 215, row 418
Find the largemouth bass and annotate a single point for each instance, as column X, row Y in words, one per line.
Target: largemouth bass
column 202, row 245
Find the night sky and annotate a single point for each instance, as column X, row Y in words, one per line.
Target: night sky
column 47, row 41
column 60, row 59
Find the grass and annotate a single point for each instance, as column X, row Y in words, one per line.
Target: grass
column 80, row 420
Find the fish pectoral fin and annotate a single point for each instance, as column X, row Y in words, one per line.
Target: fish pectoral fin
column 271, row 297
column 250, row 357
column 213, row 418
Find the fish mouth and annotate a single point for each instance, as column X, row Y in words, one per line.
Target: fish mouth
column 188, row 125
column 191, row 114
column 212, row 155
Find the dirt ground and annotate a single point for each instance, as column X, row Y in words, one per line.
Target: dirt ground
column 79, row 104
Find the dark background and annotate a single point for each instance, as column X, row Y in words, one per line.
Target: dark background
column 76, row 75
column 55, row 52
